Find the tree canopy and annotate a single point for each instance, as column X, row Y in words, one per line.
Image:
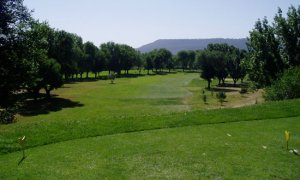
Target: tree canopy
column 274, row 48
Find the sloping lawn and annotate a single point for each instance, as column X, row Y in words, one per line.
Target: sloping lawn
column 237, row 150
column 150, row 127
column 89, row 109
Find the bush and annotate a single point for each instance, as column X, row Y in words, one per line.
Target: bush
column 243, row 90
column 7, row 116
column 112, row 77
column 221, row 96
column 204, row 98
column 286, row 87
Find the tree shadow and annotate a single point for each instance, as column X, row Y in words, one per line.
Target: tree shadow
column 190, row 71
column 130, row 75
column 223, row 89
column 43, row 105
column 21, row 160
column 237, row 85
column 163, row 72
column 76, row 80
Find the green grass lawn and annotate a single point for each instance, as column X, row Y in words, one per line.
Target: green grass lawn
column 150, row 127
column 217, row 151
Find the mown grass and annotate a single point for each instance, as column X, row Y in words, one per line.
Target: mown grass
column 99, row 108
column 238, row 150
column 47, row 132
column 149, row 127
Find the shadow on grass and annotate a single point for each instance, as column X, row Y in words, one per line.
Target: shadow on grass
column 76, row 80
column 44, row 106
column 223, row 89
column 21, row 160
column 190, row 71
column 237, row 85
column 130, row 75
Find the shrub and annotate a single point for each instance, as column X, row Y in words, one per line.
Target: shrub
column 286, row 87
column 221, row 96
column 243, row 90
column 112, row 77
column 7, row 115
column 204, row 97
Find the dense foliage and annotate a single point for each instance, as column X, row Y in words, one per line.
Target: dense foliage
column 274, row 48
column 286, row 87
column 219, row 61
column 14, row 66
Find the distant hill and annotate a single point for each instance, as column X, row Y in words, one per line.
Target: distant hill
column 175, row 45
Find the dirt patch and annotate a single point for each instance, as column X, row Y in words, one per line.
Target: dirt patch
column 239, row 100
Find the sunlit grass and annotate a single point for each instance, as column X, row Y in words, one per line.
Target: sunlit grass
column 152, row 127
column 238, row 150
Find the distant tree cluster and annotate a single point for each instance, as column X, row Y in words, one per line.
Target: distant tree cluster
column 158, row 59
column 220, row 61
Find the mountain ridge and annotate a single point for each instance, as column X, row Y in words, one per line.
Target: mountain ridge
column 175, row 45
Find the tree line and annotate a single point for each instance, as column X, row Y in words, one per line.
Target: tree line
column 35, row 56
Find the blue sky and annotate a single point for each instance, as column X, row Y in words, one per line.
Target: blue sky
column 138, row 22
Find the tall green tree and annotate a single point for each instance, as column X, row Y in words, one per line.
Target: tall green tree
column 78, row 56
column 99, row 63
column 288, row 32
column 165, row 57
column 64, row 52
column 183, row 59
column 191, row 59
column 111, row 52
column 45, row 72
column 265, row 61
column 148, row 61
column 219, row 62
column 51, row 77
column 128, row 57
column 90, row 51
column 207, row 68
column 14, row 67
column 234, row 65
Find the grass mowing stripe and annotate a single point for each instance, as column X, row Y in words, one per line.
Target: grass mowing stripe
column 57, row 131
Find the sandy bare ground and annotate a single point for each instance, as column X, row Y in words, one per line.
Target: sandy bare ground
column 247, row 99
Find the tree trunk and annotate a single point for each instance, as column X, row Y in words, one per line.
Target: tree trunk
column 148, row 71
column 66, row 76
column 87, row 74
column 48, row 95
column 81, row 75
column 208, row 84
column 36, row 92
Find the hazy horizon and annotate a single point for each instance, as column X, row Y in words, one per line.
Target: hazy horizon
column 137, row 23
